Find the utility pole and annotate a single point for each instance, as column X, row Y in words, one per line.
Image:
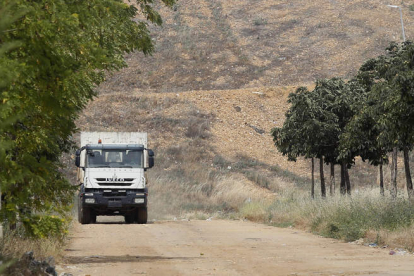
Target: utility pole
column 402, row 22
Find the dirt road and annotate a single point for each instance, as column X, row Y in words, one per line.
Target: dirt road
column 219, row 247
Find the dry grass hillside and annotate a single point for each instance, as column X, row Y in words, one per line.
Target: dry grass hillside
column 218, row 83
column 233, row 44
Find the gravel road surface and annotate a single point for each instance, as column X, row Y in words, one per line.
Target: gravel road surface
column 218, row 247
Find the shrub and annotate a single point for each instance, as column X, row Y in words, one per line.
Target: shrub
column 260, row 21
column 254, row 211
column 257, row 178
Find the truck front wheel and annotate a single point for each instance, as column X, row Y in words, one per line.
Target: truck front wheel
column 129, row 218
column 93, row 216
column 84, row 213
column 142, row 215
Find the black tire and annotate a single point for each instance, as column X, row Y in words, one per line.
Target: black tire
column 129, row 218
column 84, row 213
column 142, row 215
column 93, row 216
column 79, row 210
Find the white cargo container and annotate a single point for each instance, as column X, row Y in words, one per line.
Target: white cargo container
column 111, row 175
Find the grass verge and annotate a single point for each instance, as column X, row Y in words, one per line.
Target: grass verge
column 368, row 215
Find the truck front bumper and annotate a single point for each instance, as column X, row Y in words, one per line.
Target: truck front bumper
column 114, row 200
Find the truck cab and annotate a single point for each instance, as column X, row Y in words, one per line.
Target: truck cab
column 112, row 177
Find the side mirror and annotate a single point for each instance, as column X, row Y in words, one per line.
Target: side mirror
column 150, row 158
column 77, row 158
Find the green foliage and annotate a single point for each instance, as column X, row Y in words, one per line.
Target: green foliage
column 45, row 226
column 54, row 53
column 361, row 138
column 316, row 119
column 392, row 96
column 294, row 139
column 384, row 117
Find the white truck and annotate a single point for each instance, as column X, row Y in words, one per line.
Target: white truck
column 111, row 176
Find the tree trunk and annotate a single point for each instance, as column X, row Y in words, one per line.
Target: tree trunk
column 343, row 184
column 332, row 180
column 323, row 187
column 408, row 174
column 313, row 179
column 394, row 173
column 381, row 180
column 347, row 181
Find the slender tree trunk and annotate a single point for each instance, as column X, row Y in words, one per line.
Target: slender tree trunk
column 332, row 180
column 343, row 184
column 394, row 173
column 408, row 174
column 313, row 179
column 323, row 187
column 381, row 180
column 347, row 181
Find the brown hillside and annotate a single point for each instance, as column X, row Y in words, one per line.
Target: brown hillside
column 233, row 44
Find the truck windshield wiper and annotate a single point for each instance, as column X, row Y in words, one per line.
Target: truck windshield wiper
column 125, row 166
column 103, row 166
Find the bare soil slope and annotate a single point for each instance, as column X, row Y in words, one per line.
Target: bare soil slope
column 219, row 248
column 239, row 121
column 232, row 44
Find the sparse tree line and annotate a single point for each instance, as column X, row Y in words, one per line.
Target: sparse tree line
column 53, row 55
column 370, row 115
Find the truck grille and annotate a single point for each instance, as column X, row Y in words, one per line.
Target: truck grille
column 114, row 184
column 104, row 179
column 104, row 182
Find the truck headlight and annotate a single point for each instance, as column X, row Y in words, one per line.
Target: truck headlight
column 89, row 200
column 139, row 200
column 88, row 194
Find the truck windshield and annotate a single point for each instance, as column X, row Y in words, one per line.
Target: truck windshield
column 114, row 159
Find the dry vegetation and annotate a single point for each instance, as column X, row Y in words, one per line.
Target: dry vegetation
column 380, row 220
column 15, row 245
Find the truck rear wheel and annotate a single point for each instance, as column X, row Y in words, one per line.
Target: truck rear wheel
column 142, row 215
column 84, row 213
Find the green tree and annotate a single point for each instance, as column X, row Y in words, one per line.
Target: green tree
column 304, row 131
column 314, row 124
column 336, row 97
column 390, row 81
column 290, row 139
column 360, row 137
column 65, row 49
